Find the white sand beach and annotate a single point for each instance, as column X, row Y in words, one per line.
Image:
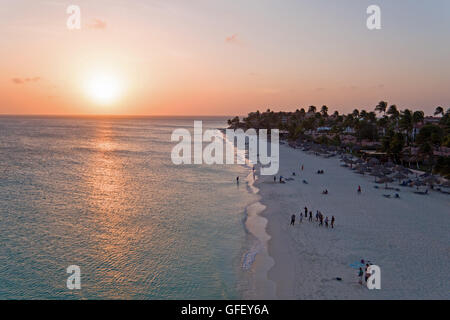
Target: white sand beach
column 409, row 237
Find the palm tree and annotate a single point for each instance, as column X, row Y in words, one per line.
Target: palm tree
column 406, row 123
column 383, row 123
column 324, row 111
column 418, row 116
column 439, row 110
column 381, row 107
column 372, row 116
column 363, row 114
column 355, row 113
column 312, row 109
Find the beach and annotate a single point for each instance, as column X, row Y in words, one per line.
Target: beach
column 408, row 237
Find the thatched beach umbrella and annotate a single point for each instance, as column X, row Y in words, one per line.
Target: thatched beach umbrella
column 430, row 180
column 385, row 180
column 377, row 174
column 389, row 164
column 407, row 171
column 373, row 161
column 362, row 171
column 400, row 176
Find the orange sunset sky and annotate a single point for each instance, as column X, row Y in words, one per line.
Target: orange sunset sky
column 211, row 57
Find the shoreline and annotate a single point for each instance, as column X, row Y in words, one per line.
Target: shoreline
column 406, row 237
column 257, row 260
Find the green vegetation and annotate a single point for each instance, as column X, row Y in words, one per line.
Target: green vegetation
column 406, row 136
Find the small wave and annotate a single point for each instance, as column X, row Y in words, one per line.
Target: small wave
column 250, row 256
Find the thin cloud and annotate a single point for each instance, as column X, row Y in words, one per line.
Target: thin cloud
column 233, row 39
column 97, row 24
column 25, row 80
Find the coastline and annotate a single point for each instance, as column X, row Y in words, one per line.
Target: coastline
column 257, row 261
column 406, row 237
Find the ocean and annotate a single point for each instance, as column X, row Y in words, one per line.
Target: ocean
column 102, row 193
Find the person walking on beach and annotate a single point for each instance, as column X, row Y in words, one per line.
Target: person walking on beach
column 301, row 217
column 332, row 222
column 274, row 179
column 306, row 210
column 237, row 179
column 360, row 276
column 293, row 220
column 310, row 216
column 326, row 222
column 359, row 189
column 302, row 167
column 321, row 219
column 317, row 215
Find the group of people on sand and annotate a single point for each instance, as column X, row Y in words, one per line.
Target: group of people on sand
column 364, row 273
column 319, row 218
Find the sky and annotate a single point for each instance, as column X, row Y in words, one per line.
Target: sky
column 221, row 57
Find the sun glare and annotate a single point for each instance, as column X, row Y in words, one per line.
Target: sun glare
column 103, row 88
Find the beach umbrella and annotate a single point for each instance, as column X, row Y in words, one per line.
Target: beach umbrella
column 417, row 183
column 399, row 176
column 385, row 179
column 446, row 184
column 373, row 161
column 389, row 164
column 431, row 180
column 361, row 171
column 377, row 174
column 407, row 171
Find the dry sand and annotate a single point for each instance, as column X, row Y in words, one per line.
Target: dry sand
column 409, row 238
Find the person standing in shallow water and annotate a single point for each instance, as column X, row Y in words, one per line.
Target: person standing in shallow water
column 293, row 220
column 237, row 179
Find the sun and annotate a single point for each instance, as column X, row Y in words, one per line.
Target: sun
column 103, row 88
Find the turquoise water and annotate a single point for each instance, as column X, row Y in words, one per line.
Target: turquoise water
column 102, row 193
